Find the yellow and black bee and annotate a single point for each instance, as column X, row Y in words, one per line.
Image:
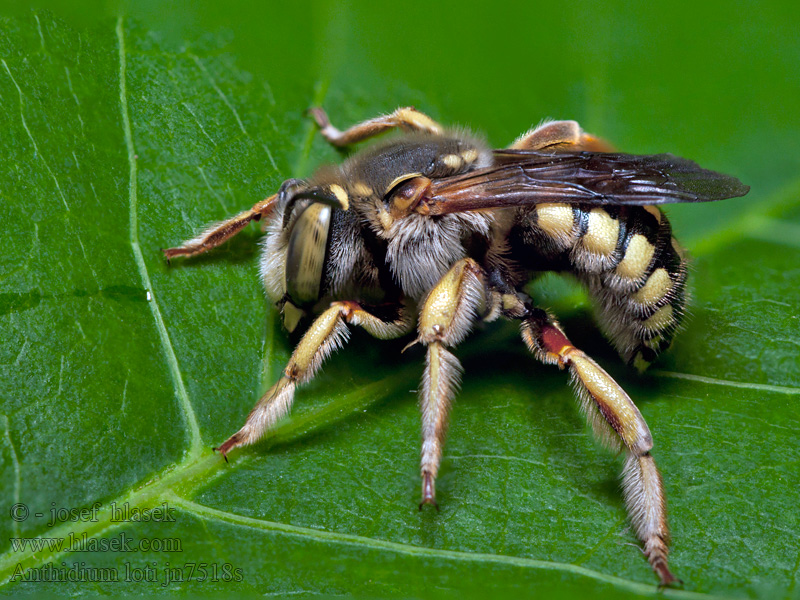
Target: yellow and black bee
column 434, row 231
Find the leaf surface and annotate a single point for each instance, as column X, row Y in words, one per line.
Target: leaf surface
column 119, row 373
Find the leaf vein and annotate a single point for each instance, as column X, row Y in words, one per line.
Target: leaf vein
column 212, row 190
column 213, row 83
column 77, row 102
column 195, row 439
column 199, row 124
column 762, row 387
column 209, row 513
column 41, row 34
column 194, row 472
column 36, row 152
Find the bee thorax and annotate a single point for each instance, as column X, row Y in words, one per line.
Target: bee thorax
column 421, row 250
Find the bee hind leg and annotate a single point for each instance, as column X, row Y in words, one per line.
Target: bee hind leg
column 406, row 118
column 450, row 309
column 326, row 334
column 616, row 420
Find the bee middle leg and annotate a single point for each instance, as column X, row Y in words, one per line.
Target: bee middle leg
column 616, row 420
column 325, row 335
column 407, row 118
column 448, row 312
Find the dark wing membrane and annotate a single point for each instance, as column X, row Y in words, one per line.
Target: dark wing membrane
column 522, row 177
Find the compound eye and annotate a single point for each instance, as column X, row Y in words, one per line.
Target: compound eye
column 305, row 255
column 405, row 193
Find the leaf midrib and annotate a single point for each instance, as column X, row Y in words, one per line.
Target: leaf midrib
column 195, row 438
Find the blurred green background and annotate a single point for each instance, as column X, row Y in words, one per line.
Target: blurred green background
column 110, row 395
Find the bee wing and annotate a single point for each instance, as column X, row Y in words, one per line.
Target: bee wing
column 522, row 177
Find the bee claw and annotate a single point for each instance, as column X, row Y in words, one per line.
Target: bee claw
column 227, row 446
column 224, row 455
column 428, row 493
column 166, row 255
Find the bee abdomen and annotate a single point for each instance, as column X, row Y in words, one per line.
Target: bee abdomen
column 639, row 289
column 634, row 269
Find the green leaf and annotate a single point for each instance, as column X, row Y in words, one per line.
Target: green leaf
column 118, row 373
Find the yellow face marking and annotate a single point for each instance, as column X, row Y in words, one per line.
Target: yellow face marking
column 655, row 211
column 452, row 160
column 362, row 189
column 602, row 233
column 470, row 156
column 341, row 195
column 555, row 220
column 655, row 288
column 637, row 258
column 660, row 319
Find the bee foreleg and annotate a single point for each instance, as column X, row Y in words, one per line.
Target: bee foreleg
column 407, row 118
column 327, row 333
column 616, row 420
column 447, row 314
column 560, row 135
column 218, row 233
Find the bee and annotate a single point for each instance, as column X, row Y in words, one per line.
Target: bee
column 433, row 231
